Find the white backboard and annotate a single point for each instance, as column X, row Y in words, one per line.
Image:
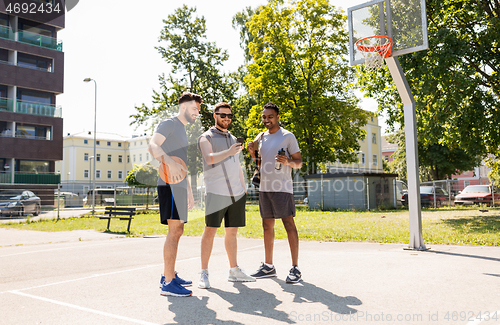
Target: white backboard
column 404, row 21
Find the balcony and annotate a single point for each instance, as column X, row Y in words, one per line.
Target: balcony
column 26, row 107
column 6, row 33
column 6, row 105
column 30, row 178
column 39, row 40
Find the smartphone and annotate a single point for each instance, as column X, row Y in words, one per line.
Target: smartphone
column 241, row 140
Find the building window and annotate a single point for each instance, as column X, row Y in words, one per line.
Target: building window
column 34, row 62
column 374, row 137
column 135, row 144
column 98, row 157
column 86, row 156
column 120, row 158
column 147, row 157
column 119, row 144
column 134, row 158
column 98, row 173
column 141, row 143
column 85, row 173
column 109, row 158
column 110, row 174
column 120, row 174
column 375, row 160
column 85, row 141
column 98, row 142
column 386, row 158
column 33, row 131
column 128, row 158
column 140, row 157
column 109, row 144
column 466, row 183
column 362, row 159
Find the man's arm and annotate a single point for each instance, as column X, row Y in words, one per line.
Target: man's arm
column 211, row 157
column 242, row 179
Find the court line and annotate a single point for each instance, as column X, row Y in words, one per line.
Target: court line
column 115, row 272
column 57, row 249
column 94, row 311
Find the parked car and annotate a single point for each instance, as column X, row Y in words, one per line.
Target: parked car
column 476, row 194
column 401, row 190
column 18, row 202
column 427, row 196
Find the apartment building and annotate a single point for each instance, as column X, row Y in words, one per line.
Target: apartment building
column 31, row 76
column 116, row 155
column 370, row 152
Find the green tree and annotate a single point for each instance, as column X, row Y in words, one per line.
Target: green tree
column 195, row 64
column 143, row 176
column 298, row 61
column 455, row 84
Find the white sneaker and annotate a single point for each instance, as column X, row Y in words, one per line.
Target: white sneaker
column 204, row 283
column 239, row 276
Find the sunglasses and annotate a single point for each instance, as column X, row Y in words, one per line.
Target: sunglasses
column 224, row 115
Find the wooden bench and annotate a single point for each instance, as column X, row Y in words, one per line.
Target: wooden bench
column 119, row 213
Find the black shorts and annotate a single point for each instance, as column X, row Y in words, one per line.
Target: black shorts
column 276, row 205
column 173, row 203
column 229, row 208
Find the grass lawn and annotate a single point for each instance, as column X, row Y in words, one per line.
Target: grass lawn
column 458, row 226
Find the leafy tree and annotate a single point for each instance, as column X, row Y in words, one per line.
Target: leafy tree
column 195, row 64
column 455, row 84
column 298, row 61
column 494, row 173
column 398, row 164
column 143, row 176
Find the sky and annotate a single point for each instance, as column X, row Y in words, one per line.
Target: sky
column 113, row 42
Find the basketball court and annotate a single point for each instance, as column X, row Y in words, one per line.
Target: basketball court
column 85, row 277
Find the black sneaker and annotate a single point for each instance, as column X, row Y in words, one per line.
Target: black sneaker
column 264, row 271
column 295, row 276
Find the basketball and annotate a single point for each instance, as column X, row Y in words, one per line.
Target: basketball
column 165, row 175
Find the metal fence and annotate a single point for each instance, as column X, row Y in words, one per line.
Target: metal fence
column 447, row 186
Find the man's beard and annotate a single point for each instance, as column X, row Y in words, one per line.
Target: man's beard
column 189, row 118
column 222, row 126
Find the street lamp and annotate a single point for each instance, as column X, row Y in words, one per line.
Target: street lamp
column 90, row 174
column 95, row 115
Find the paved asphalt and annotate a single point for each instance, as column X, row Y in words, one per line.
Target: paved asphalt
column 87, row 277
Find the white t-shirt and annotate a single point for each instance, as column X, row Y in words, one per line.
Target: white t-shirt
column 272, row 180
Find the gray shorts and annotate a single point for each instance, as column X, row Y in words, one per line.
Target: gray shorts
column 276, row 205
column 228, row 208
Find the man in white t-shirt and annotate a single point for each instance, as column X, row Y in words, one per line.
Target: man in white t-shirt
column 276, row 188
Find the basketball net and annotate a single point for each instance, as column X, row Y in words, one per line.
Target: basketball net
column 375, row 49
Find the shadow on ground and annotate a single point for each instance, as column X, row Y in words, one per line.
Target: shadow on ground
column 194, row 310
column 307, row 293
column 478, row 224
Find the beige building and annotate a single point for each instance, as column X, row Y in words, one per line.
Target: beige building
column 370, row 152
column 115, row 157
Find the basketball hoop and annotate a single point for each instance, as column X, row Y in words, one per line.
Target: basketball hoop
column 375, row 49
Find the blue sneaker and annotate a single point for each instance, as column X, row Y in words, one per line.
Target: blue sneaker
column 173, row 288
column 182, row 282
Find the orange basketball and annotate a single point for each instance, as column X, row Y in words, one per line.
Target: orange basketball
column 165, row 175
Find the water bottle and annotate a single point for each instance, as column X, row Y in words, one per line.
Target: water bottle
column 277, row 165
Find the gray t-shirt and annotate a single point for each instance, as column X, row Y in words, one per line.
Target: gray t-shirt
column 175, row 144
column 272, row 180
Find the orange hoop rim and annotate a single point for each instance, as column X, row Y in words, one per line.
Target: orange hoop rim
column 385, row 50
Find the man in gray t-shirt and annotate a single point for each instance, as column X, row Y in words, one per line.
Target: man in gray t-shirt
column 279, row 154
column 226, row 196
column 169, row 146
